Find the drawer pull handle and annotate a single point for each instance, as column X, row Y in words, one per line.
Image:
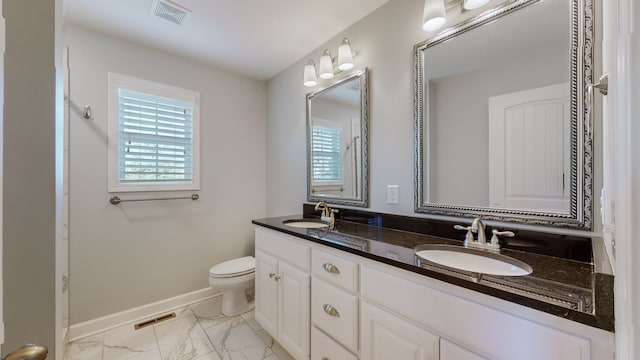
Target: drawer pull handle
column 330, row 310
column 329, row 267
column 325, row 358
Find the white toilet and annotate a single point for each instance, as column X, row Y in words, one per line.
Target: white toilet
column 233, row 278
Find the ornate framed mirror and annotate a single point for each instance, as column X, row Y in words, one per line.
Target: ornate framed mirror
column 337, row 142
column 502, row 129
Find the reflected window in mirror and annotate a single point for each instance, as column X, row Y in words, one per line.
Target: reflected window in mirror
column 337, row 122
column 326, row 148
column 500, row 116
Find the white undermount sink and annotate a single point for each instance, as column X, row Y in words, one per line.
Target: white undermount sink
column 306, row 223
column 472, row 260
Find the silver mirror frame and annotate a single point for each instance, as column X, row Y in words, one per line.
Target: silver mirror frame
column 363, row 183
column 581, row 197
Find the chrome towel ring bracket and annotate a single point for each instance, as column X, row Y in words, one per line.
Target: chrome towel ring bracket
column 603, row 86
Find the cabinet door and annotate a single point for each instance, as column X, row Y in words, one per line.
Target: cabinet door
column 451, row 351
column 266, row 300
column 385, row 336
column 293, row 310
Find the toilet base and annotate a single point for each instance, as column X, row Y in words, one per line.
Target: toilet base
column 234, row 303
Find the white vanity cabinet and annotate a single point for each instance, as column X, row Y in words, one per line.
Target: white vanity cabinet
column 389, row 313
column 282, row 290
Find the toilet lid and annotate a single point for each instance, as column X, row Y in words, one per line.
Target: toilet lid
column 235, row 267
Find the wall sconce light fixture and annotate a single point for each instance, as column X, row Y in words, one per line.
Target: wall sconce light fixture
column 326, row 65
column 345, row 57
column 434, row 15
column 326, row 68
column 310, row 74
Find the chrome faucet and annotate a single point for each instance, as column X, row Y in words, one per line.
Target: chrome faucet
column 477, row 226
column 327, row 214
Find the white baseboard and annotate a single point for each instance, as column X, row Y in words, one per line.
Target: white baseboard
column 143, row 312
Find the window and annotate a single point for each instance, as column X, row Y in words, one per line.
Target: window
column 153, row 136
column 327, row 167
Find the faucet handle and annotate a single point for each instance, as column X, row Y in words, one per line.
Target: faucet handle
column 469, row 236
column 332, row 213
column 495, row 242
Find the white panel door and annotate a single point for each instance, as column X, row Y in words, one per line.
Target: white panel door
column 529, row 149
column 266, row 301
column 293, row 310
column 385, row 336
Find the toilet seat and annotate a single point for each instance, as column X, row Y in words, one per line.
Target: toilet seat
column 233, row 268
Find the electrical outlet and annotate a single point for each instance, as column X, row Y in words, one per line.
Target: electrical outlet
column 392, row 194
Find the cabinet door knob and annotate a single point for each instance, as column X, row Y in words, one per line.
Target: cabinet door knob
column 278, row 278
column 329, row 309
column 271, row 275
column 329, row 267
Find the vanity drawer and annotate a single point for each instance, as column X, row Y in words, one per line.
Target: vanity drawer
column 335, row 269
column 325, row 348
column 335, row 312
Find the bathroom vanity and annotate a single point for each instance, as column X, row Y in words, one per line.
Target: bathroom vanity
column 358, row 292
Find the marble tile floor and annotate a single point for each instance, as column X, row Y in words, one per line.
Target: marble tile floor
column 198, row 332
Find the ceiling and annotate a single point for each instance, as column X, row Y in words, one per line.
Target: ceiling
column 256, row 38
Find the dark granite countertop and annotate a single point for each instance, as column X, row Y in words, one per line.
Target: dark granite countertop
column 563, row 287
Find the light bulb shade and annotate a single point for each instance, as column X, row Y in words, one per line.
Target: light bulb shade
column 434, row 15
column 310, row 74
column 326, row 66
column 474, row 4
column 345, row 58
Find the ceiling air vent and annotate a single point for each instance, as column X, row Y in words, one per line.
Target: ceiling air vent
column 170, row 11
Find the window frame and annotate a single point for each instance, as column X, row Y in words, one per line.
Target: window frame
column 115, row 83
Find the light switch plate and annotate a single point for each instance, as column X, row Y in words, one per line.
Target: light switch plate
column 392, row 194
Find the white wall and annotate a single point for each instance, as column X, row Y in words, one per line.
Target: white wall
column 384, row 40
column 137, row 253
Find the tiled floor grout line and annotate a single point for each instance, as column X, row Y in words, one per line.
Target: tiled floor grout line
column 94, row 347
column 213, row 345
column 102, row 348
column 155, row 336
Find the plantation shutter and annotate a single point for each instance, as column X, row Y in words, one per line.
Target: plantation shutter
column 155, row 138
column 326, row 154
